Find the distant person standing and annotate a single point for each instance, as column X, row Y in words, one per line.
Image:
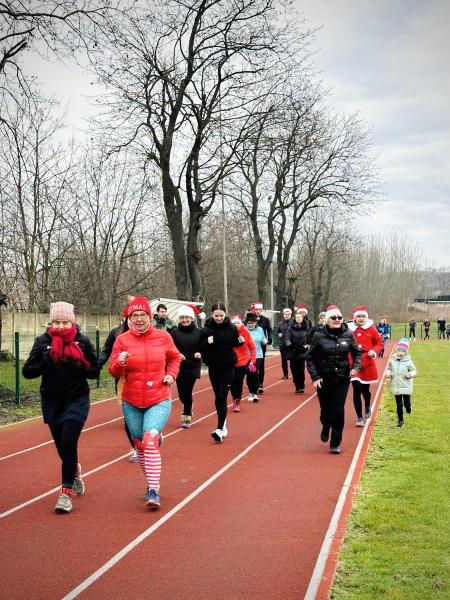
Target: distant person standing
column 65, row 359
column 426, row 328
column 161, row 320
column 447, row 331
column 266, row 326
column 282, row 329
column 412, row 330
column 441, row 328
column 297, row 342
column 383, row 330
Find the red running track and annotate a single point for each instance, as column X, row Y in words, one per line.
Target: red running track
column 245, row 519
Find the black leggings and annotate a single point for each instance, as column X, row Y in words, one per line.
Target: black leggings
column 221, row 379
column 253, row 381
column 332, row 396
column 66, row 436
column 403, row 400
column 298, row 371
column 284, row 351
column 262, row 367
column 185, row 385
column 238, row 382
column 361, row 389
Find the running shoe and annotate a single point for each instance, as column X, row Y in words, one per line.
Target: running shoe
column 236, row 405
column 360, row 422
column 335, row 450
column 250, row 397
column 255, row 398
column 133, row 458
column 78, row 483
column 186, row 421
column 64, row 503
column 217, row 436
column 152, row 499
column 260, row 390
column 224, row 430
column 400, row 424
column 325, row 434
column 368, row 413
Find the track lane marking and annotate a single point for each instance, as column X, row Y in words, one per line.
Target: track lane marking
column 108, row 464
column 319, row 568
column 145, row 534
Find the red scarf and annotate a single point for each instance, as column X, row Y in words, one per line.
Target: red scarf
column 64, row 349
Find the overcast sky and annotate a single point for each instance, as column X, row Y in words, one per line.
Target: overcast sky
column 388, row 60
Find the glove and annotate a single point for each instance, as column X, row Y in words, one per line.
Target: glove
column 252, row 368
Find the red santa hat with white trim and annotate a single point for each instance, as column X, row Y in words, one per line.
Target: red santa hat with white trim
column 198, row 312
column 256, row 306
column 360, row 311
column 301, row 308
column 332, row 311
column 236, row 320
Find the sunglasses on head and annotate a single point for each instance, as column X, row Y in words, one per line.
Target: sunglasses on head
column 335, row 318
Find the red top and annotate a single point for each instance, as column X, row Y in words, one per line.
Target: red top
column 152, row 356
column 367, row 338
column 247, row 351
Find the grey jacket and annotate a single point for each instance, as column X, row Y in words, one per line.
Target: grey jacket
column 397, row 370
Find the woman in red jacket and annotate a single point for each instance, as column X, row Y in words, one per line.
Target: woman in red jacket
column 148, row 361
column 246, row 359
column 369, row 341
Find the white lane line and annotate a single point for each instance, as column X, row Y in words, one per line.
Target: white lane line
column 319, row 568
column 145, row 534
column 104, row 466
column 25, row 450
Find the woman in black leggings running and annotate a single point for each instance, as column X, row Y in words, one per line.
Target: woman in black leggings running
column 219, row 337
column 65, row 359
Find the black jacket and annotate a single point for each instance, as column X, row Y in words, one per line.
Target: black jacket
column 312, row 331
column 187, row 340
column 296, row 339
column 328, row 354
column 220, row 352
column 108, row 346
column 266, row 326
column 65, row 382
column 282, row 328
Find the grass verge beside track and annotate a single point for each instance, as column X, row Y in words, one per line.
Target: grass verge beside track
column 398, row 537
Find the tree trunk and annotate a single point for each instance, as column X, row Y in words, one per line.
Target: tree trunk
column 193, row 253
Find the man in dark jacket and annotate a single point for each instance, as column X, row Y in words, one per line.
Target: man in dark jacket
column 282, row 330
column 330, row 369
column 266, row 326
column 161, row 320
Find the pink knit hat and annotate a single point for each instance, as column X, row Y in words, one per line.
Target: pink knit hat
column 62, row 311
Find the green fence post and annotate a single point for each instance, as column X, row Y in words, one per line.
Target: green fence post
column 17, row 364
column 97, row 350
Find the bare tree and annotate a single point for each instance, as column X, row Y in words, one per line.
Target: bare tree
column 175, row 73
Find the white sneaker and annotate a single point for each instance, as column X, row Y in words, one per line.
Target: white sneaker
column 217, row 436
column 255, row 398
column 78, row 483
column 250, row 397
column 224, row 430
column 133, row 457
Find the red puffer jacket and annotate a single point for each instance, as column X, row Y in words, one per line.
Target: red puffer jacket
column 247, row 351
column 152, row 356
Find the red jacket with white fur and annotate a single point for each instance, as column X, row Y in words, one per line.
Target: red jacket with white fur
column 152, row 356
column 367, row 338
column 247, row 351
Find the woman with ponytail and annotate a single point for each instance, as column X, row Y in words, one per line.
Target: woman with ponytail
column 65, row 359
column 148, row 361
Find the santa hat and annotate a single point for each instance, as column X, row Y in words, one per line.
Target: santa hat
column 301, row 308
column 62, row 311
column 198, row 312
column 256, row 306
column 403, row 344
column 139, row 303
column 236, row 320
column 360, row 311
column 332, row 311
column 186, row 311
column 287, row 310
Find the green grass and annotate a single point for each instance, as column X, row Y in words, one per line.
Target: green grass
column 398, row 540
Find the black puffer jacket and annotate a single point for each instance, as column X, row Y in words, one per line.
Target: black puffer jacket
column 328, row 354
column 282, row 328
column 64, row 382
column 296, row 339
column 225, row 338
column 187, row 340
